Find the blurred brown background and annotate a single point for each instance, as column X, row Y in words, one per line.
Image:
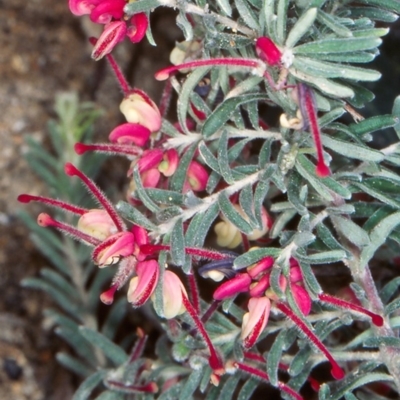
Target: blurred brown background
column 44, row 50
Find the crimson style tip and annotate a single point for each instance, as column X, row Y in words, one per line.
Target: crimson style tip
column 377, row 320
column 80, row 148
column 337, row 372
column 44, row 220
column 70, row 169
column 24, row 198
column 322, row 170
column 92, row 40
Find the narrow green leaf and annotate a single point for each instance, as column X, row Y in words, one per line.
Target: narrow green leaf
column 247, row 205
column 373, row 13
column 333, row 24
column 392, row 307
column 389, row 289
column 301, row 27
column 326, row 86
column 247, row 389
column 229, row 388
column 253, row 256
column 141, row 192
column 351, row 231
column 186, row 27
column 281, row 25
column 294, row 188
column 339, row 45
column 351, row 150
column 232, row 215
column 325, row 69
column 113, row 352
column 132, row 214
column 207, row 219
column 373, row 124
column 396, row 115
column 141, row 6
column 178, row 244
column 247, row 14
column 186, row 91
column 223, row 160
column 73, row 364
column 178, row 179
column 378, row 194
column 191, row 384
column 225, row 110
column 208, row 157
column 225, row 7
column 378, row 236
column 88, row 385
column 326, row 257
column 274, row 357
column 390, row 5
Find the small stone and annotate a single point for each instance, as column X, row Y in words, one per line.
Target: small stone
column 12, row 369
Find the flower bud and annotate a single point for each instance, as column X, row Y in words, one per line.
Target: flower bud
column 138, row 108
column 172, row 295
column 255, row 320
column 97, row 223
column 113, row 33
column 142, row 286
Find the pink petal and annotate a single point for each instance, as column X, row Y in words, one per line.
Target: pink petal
column 302, row 298
column 151, row 178
column 142, row 286
column 170, row 162
column 97, row 223
column 130, row 134
column 260, row 287
column 138, row 27
column 115, row 246
column 255, row 320
column 240, row 283
column 172, row 295
column 107, row 10
column 150, row 159
column 266, row 49
column 138, row 108
column 113, row 33
column 82, row 7
column 260, row 267
column 197, row 176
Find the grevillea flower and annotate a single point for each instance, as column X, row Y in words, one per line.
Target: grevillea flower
column 130, row 133
column 255, row 320
column 173, row 292
column 114, row 32
column 138, row 108
column 267, row 50
column 142, row 286
column 197, row 176
column 97, row 223
column 117, row 25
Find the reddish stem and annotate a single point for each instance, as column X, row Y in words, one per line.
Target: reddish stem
column 254, row 356
column 229, row 62
column 308, row 108
column 71, row 170
column 118, row 149
column 45, row 220
column 376, row 319
column 138, row 348
column 194, row 292
column 336, row 371
column 150, row 249
column 117, row 70
column 26, row 198
column 264, row 376
column 214, row 360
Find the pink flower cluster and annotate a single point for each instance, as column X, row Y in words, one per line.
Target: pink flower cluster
column 117, row 25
